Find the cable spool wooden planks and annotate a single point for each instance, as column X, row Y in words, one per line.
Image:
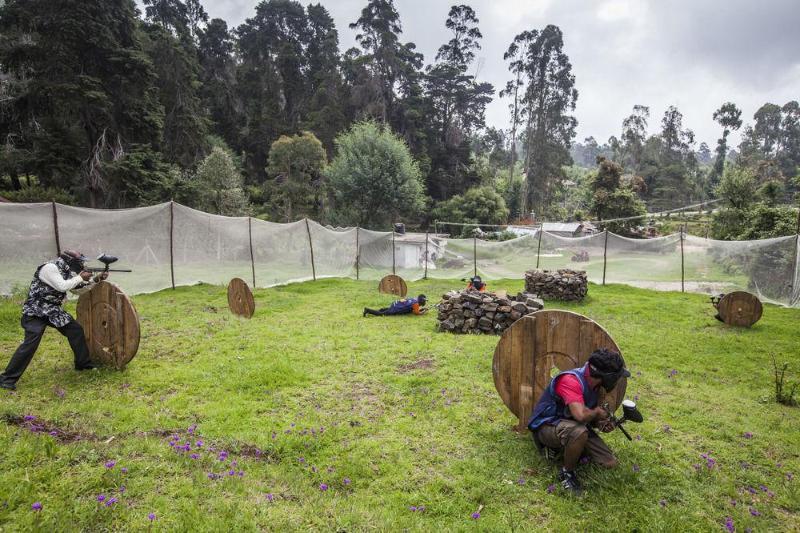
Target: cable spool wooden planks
column 110, row 324
column 530, row 349
column 393, row 284
column 740, row 308
column 240, row 298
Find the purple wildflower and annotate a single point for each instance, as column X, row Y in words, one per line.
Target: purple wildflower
column 199, row 444
column 638, row 437
column 110, row 464
column 636, row 468
column 413, row 509
column 274, row 435
column 234, row 462
column 231, row 472
column 101, row 497
column 584, row 460
column 638, row 373
column 751, row 490
column 662, row 502
column 301, row 460
column 222, row 455
column 124, row 470
column 733, row 503
column 551, row 488
column 111, row 501
column 194, row 456
column 240, row 473
column 729, row 524
column 763, row 488
column 60, row 393
column 636, row 398
column 122, row 489
column 747, row 435
column 666, row 428
column 314, row 469
column 476, row 515
column 789, row 476
column 754, row 511
column 54, row 433
column 151, row 516
column 270, row 497
column 323, row 487
column 211, row 475
column 696, row 466
column 37, row 506
column 521, row 481
column 191, row 429
column 29, row 418
column 330, row 470
column 347, row 481
column 421, row 508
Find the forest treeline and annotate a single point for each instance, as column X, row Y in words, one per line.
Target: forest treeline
column 104, row 105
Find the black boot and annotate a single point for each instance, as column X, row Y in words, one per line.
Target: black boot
column 569, row 481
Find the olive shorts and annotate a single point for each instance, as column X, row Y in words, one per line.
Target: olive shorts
column 559, row 436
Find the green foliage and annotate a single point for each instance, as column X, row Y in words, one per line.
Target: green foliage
column 611, row 199
column 295, row 164
column 220, row 186
column 141, row 177
column 37, row 193
column 738, row 187
column 480, row 205
column 373, row 178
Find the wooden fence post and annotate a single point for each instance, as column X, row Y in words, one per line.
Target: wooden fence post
column 393, row 259
column 539, row 248
column 605, row 255
column 427, row 256
column 252, row 260
column 311, row 247
column 55, row 228
column 171, row 231
column 358, row 254
column 683, row 274
column 475, row 255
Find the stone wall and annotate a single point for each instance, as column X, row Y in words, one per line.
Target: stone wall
column 470, row 311
column 563, row 284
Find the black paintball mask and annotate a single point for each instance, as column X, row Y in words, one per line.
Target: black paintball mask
column 422, row 300
column 74, row 260
column 477, row 282
column 607, row 366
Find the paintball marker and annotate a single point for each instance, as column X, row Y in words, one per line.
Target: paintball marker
column 629, row 413
column 106, row 260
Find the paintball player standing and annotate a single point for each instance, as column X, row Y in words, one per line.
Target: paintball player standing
column 42, row 308
column 401, row 307
column 569, row 406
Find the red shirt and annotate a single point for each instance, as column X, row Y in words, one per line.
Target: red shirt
column 568, row 387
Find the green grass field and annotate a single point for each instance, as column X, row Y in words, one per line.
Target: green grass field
column 388, row 414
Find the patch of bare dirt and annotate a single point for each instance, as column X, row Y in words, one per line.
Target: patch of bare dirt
column 37, row 425
column 422, row 364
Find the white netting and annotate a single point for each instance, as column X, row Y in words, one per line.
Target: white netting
column 213, row 249
column 27, row 239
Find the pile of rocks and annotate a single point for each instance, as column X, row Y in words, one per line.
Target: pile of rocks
column 471, row 311
column 563, row 284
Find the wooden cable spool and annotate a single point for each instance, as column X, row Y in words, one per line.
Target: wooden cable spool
column 393, row 284
column 739, row 308
column 535, row 344
column 240, row 298
column 110, row 324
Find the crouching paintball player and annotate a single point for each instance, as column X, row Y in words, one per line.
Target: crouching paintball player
column 476, row 284
column 567, row 412
column 401, row 307
column 43, row 307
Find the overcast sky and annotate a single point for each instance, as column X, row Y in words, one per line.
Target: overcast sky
column 694, row 54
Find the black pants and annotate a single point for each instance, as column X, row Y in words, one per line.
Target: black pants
column 380, row 312
column 34, row 327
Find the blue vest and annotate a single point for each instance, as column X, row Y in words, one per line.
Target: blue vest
column 551, row 408
column 402, row 306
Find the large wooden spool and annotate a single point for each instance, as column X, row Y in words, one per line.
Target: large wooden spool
column 240, row 298
column 393, row 284
column 538, row 345
column 110, row 324
column 740, row 308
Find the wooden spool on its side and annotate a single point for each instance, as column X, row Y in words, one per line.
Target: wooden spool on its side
column 740, row 308
column 393, row 284
column 110, row 324
column 240, row 298
column 533, row 345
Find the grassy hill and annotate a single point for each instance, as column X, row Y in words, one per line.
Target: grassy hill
column 312, row 417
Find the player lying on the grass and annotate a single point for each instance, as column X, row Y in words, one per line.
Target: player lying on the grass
column 401, row 307
column 42, row 308
column 568, row 410
column 476, row 284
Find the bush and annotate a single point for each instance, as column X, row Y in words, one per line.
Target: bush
column 37, row 193
column 479, row 205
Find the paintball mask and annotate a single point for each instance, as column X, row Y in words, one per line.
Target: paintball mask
column 73, row 259
column 477, row 282
column 608, row 366
column 422, row 300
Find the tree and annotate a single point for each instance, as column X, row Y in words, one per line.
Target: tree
column 549, row 97
column 729, row 117
column 373, row 179
column 296, row 164
column 479, row 205
column 632, row 141
column 737, row 187
column 218, row 81
column 613, row 199
column 220, row 187
column 83, row 92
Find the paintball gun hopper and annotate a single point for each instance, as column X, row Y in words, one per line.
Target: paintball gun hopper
column 629, row 414
column 106, row 260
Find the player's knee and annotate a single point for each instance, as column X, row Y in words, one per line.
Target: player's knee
column 578, row 434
